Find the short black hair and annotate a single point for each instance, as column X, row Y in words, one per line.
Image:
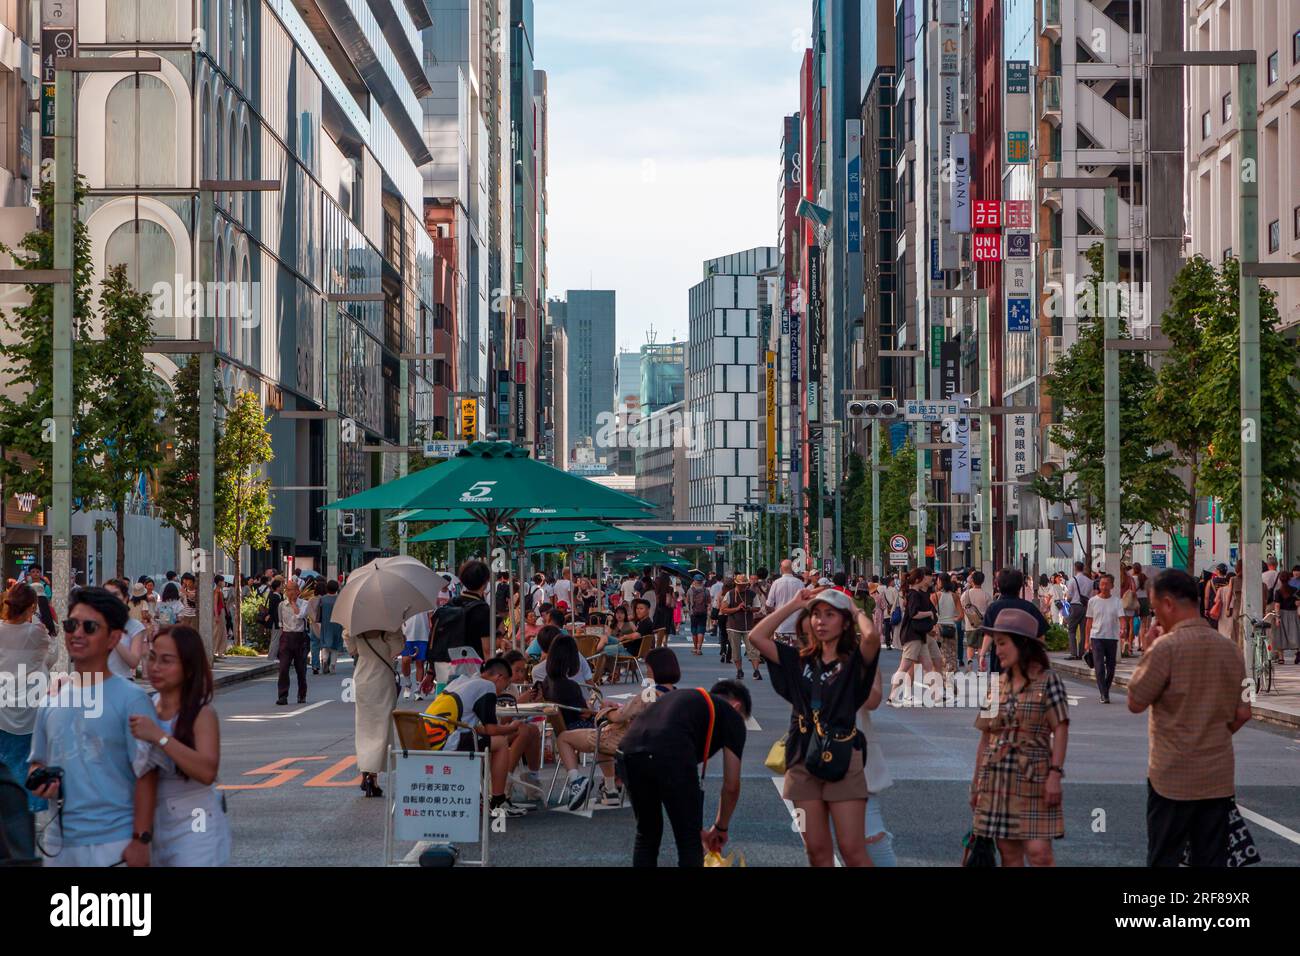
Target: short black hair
column 663, row 663
column 546, row 635
column 977, row 577
column 514, row 656
column 171, row 575
column 1010, row 581
column 171, row 592
column 643, row 602
column 109, row 606
column 474, row 574
column 331, row 586
column 557, row 617
column 734, row 690
column 1177, row 584
column 840, row 579
column 495, row 664
column 187, row 576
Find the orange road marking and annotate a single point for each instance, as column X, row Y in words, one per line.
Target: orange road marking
column 324, row 778
column 278, row 769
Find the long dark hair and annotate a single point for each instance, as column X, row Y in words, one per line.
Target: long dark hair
column 196, row 680
column 663, row 588
column 1030, row 651
column 844, row 647
column 561, row 663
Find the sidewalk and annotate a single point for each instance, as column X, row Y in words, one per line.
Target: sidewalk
column 1282, row 706
column 233, row 670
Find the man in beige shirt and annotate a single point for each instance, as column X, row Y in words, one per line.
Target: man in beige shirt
column 1194, row 681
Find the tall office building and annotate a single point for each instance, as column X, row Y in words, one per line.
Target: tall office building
column 663, row 375
column 589, row 321
column 322, row 96
column 722, row 391
column 524, row 186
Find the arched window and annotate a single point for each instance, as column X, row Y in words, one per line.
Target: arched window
column 233, row 166
column 232, row 301
column 218, row 305
column 251, row 307
column 246, row 45
column 205, row 132
column 140, row 133
column 246, row 171
column 146, row 249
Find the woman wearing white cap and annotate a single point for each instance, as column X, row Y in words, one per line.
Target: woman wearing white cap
column 826, row 681
column 1016, row 790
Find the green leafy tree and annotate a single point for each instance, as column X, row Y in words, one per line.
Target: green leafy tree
column 123, row 432
column 1150, row 491
column 1216, row 397
column 178, row 477
column 243, row 494
column 897, row 484
column 27, row 368
column 855, row 512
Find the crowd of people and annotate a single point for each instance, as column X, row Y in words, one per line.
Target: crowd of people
column 154, row 765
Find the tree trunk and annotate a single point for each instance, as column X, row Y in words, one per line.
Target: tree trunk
column 119, row 512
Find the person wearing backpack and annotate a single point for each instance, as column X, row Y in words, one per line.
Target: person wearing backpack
column 698, row 601
column 464, row 621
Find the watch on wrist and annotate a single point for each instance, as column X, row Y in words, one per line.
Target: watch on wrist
column 145, row 837
column 163, row 741
column 1060, row 770
column 720, row 828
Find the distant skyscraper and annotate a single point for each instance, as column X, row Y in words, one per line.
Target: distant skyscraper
column 663, row 375
column 590, row 325
column 723, row 382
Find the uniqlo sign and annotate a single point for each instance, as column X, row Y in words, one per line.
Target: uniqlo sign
column 1017, row 214
column 988, row 246
column 987, row 214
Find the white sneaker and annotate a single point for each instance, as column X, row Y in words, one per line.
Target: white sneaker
column 578, row 792
column 406, row 692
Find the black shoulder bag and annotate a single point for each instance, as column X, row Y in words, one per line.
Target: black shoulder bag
column 829, row 751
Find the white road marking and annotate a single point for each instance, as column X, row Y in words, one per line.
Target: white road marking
column 252, row 718
column 751, row 723
column 776, row 782
column 1267, row 824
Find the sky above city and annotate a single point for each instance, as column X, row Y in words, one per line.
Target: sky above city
column 665, row 126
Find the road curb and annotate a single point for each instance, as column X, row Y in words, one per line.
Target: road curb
column 239, row 676
column 1259, row 710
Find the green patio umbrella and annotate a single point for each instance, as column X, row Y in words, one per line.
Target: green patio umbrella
column 495, row 482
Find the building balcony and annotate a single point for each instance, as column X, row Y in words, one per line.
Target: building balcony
column 1053, row 270
column 1053, row 347
column 1051, row 18
column 1049, row 95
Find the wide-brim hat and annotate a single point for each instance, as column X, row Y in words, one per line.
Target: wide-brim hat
column 1012, row 620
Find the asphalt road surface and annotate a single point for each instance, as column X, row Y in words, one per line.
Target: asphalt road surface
column 294, row 797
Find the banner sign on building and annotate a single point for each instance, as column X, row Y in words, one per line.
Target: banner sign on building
column 1017, row 146
column 770, row 414
column 1017, row 214
column 936, row 274
column 469, row 418
column 987, row 246
column 988, row 214
column 1017, row 76
column 785, row 321
column 814, row 330
column 58, row 38
column 1019, row 315
column 1020, row 445
column 1017, row 278
column 1018, row 244
column 961, row 459
column 936, row 344
column 853, row 200
column 961, row 183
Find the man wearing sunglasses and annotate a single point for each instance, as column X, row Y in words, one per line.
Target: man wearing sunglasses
column 109, row 786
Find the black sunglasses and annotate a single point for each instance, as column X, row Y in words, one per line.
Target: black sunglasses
column 71, row 624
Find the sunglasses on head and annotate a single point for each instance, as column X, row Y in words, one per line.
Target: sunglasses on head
column 89, row 627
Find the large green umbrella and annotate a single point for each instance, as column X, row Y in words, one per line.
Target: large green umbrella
column 494, row 482
column 451, row 530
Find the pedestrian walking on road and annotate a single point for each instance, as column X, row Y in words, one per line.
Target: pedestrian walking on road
column 919, row 647
column 1077, row 592
column 738, row 617
column 374, row 688
column 697, row 603
column 1016, row 792
column 1191, row 679
column 293, row 643
column 827, row 682
column 1101, row 633
column 331, row 634
column 24, row 646
column 949, row 617
column 186, row 744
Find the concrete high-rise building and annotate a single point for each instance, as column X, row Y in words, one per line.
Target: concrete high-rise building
column 627, row 379
column 590, row 325
column 662, row 465
column 722, row 393
column 324, row 97
column 555, row 387
column 524, row 194
column 663, row 375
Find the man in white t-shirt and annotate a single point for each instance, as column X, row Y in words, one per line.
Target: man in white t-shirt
column 1101, row 633
column 564, row 588
column 783, row 590
column 628, row 590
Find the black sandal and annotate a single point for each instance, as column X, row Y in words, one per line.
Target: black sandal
column 370, row 785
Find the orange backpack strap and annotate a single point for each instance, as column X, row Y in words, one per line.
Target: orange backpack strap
column 708, row 736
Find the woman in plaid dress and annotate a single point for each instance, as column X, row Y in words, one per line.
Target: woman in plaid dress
column 1016, row 791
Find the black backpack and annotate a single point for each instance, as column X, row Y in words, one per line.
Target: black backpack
column 17, row 823
column 449, row 627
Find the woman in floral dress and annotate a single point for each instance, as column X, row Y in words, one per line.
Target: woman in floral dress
column 1016, row 791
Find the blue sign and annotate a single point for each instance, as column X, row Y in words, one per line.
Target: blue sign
column 1019, row 315
column 854, row 225
column 936, row 273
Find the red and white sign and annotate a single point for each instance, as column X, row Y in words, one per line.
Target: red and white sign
column 988, row 246
column 1016, row 214
column 987, row 214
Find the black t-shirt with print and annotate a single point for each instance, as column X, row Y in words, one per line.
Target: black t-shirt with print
column 676, row 726
column 838, row 689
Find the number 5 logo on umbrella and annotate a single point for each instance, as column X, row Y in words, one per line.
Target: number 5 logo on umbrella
column 479, row 491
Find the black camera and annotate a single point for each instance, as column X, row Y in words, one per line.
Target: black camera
column 40, row 776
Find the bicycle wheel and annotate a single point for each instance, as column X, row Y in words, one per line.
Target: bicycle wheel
column 1267, row 685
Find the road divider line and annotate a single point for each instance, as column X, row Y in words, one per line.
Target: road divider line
column 291, row 713
column 789, row 805
column 1267, row 824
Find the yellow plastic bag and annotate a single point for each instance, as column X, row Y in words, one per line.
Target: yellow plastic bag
column 717, row 859
column 775, row 761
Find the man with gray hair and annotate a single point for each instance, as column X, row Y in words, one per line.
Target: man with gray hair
column 783, row 590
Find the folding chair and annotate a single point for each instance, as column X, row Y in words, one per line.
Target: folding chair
column 661, row 637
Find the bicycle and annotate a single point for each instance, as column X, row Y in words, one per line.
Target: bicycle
column 1262, row 664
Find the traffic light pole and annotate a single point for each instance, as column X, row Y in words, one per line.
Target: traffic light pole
column 875, row 499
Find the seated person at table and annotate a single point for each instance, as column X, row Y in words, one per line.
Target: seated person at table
column 622, row 630
column 559, row 687
column 534, row 650
column 472, row 700
column 664, row 672
column 524, row 691
column 559, row 616
column 546, row 639
column 644, row 624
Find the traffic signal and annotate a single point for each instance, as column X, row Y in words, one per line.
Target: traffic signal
column 873, row 408
column 347, row 523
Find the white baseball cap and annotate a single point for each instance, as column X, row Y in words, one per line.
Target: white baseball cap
column 836, row 599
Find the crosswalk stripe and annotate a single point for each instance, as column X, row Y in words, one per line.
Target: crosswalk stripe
column 1267, row 824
